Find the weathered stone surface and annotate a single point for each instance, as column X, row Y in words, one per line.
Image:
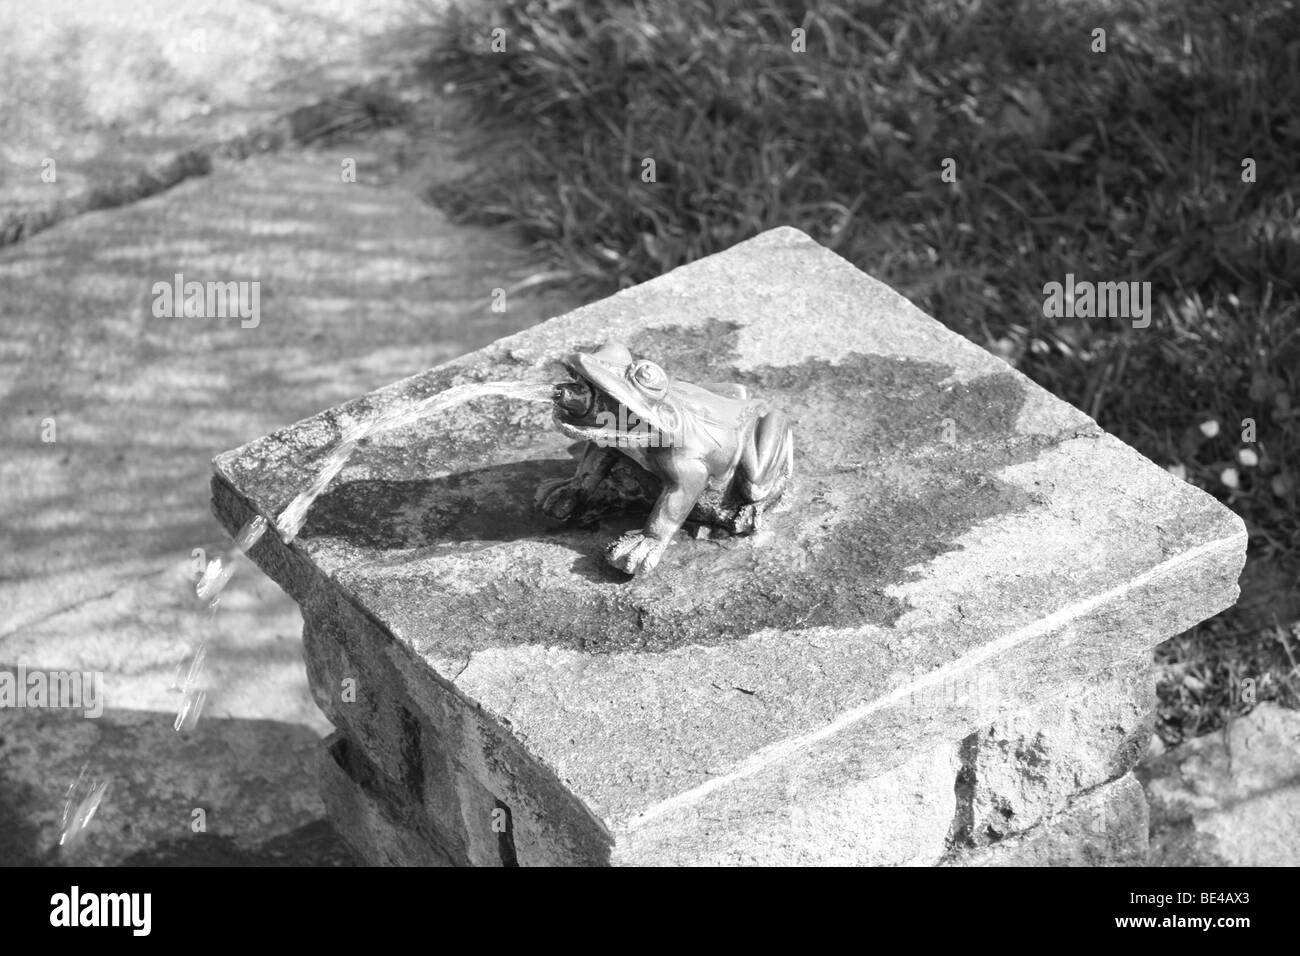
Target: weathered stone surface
column 1025, row 766
column 1022, row 768
column 1033, row 763
column 1230, row 798
column 1030, row 553
column 898, row 818
column 432, row 757
column 1106, row 826
column 364, row 814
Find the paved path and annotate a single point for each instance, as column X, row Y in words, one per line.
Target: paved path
column 104, row 87
column 360, row 284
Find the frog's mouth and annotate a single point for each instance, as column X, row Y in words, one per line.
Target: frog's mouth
column 584, row 412
column 576, row 401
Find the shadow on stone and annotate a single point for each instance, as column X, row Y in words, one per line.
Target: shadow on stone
column 315, row 844
column 255, row 782
column 486, row 505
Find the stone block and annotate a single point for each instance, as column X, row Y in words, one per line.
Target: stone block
column 1230, row 798
column 1010, row 776
column 1025, row 766
column 1105, row 826
column 431, row 758
column 951, row 525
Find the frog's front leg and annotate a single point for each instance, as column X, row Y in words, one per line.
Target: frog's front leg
column 565, row 497
column 639, row 551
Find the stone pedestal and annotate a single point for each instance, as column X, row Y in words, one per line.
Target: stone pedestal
column 937, row 653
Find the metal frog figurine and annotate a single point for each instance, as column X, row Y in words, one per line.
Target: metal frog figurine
column 708, row 454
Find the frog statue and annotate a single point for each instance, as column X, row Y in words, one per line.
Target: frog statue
column 705, row 454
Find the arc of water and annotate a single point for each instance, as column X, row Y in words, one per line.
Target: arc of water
column 292, row 518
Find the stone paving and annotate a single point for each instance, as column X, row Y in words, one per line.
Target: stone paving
column 104, row 88
column 360, row 284
column 1230, row 798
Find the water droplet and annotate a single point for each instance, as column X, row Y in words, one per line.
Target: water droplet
column 188, row 715
column 80, row 805
column 251, row 533
column 196, row 667
column 214, row 579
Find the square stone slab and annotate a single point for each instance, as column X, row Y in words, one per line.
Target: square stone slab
column 958, row 543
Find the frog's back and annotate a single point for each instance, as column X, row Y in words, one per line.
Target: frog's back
column 713, row 409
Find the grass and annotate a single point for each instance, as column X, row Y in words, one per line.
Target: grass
column 1116, row 165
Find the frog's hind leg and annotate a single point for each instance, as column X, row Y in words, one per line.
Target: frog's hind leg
column 768, row 461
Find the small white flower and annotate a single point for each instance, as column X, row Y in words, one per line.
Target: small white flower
column 1210, row 428
column 1248, row 457
column 1229, row 477
column 1178, row 471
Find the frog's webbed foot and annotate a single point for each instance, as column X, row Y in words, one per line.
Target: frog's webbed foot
column 576, row 499
column 635, row 552
column 561, row 498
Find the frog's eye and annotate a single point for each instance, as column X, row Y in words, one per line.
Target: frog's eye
column 649, row 378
